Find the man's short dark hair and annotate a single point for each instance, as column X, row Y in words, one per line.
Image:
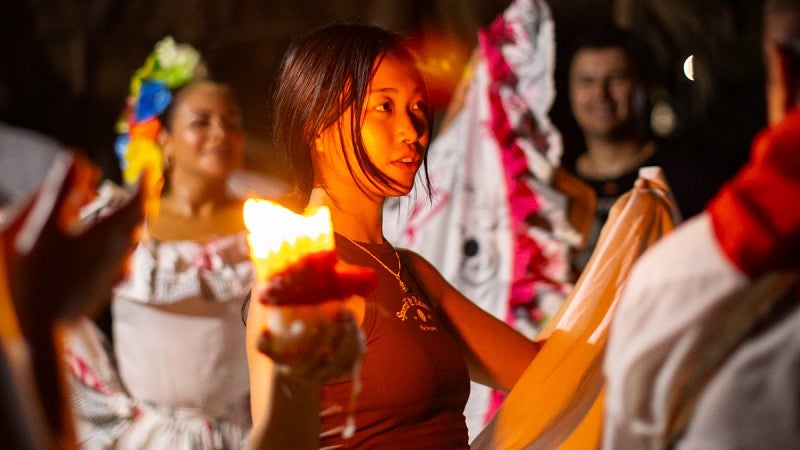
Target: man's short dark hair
column 635, row 47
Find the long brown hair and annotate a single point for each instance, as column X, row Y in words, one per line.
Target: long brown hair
column 323, row 74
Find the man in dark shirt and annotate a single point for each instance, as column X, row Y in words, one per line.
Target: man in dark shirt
column 609, row 86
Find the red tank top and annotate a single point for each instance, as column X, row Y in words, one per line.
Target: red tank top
column 414, row 379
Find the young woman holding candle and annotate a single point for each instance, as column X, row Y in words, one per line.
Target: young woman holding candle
column 353, row 123
column 177, row 377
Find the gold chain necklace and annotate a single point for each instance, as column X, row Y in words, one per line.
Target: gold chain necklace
column 403, row 286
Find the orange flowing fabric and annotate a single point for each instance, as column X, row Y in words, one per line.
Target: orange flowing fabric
column 558, row 401
column 9, row 328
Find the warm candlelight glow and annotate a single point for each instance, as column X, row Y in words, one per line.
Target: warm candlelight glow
column 279, row 238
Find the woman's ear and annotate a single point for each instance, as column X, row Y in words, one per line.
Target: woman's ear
column 163, row 140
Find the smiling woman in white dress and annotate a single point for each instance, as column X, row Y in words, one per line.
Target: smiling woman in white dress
column 177, row 377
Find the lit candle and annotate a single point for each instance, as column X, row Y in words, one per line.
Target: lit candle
column 294, row 256
column 280, row 239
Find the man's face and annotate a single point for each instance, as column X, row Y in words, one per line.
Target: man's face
column 602, row 91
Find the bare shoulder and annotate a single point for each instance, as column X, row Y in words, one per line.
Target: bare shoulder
column 416, row 262
column 435, row 285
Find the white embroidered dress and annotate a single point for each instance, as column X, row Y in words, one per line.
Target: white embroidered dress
column 178, row 376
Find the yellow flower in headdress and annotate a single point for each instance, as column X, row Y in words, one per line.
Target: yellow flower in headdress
column 142, row 154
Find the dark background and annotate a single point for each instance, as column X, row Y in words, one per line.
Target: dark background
column 65, row 64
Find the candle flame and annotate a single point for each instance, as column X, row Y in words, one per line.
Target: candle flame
column 279, row 238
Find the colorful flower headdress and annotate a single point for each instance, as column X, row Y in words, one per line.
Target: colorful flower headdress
column 167, row 68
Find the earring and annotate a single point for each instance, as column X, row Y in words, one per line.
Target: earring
column 318, row 143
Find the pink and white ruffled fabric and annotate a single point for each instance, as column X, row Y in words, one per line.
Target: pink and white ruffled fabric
column 495, row 227
column 177, row 377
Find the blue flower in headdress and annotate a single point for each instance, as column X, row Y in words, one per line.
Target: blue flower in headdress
column 154, row 97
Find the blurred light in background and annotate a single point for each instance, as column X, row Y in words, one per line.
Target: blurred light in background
column 662, row 118
column 443, row 59
column 688, row 67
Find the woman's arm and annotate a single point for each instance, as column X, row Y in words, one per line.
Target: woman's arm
column 285, row 408
column 496, row 354
column 318, row 343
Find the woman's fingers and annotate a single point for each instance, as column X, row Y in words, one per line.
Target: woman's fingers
column 345, row 352
column 324, row 346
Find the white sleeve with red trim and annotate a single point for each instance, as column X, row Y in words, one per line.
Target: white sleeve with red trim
column 691, row 298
